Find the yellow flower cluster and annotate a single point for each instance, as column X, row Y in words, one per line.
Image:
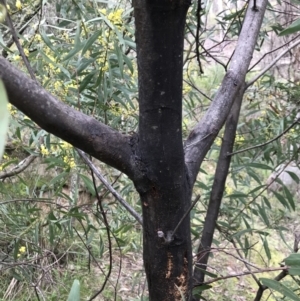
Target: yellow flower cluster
column 239, row 139
column 44, row 150
column 228, row 190
column 22, row 250
column 18, row 5
column 66, row 146
column 11, row 109
column 218, row 141
column 103, row 63
column 68, row 158
column 69, row 161
column 114, row 17
column 186, row 89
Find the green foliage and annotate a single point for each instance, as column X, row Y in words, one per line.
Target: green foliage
column 294, row 27
column 74, row 294
column 4, row 115
column 49, row 218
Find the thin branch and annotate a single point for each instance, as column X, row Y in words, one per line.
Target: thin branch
column 185, row 215
column 108, row 231
column 109, row 187
column 21, row 166
column 43, row 200
column 284, row 268
column 263, row 190
column 280, row 276
column 198, row 15
column 246, row 263
column 261, row 73
column 16, row 40
column 266, row 143
column 198, row 90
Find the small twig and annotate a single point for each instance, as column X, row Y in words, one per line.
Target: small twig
column 185, row 215
column 108, row 231
column 21, row 166
column 198, row 15
column 284, row 268
column 198, row 90
column 265, row 143
column 109, row 187
column 39, row 200
column 20, row 48
column 261, row 73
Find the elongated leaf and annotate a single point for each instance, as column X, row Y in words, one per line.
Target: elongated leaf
column 293, row 260
column 200, row 289
column 74, row 294
column 88, row 183
column 281, row 199
column 293, row 176
column 279, row 287
column 90, row 41
column 259, row 165
column 289, row 198
column 295, row 271
column 294, row 27
column 207, row 273
column 4, row 118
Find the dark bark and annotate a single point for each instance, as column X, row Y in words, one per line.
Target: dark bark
column 217, row 190
column 165, row 198
column 57, row 118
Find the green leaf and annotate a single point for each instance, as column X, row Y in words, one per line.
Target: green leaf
column 47, row 41
column 266, row 247
column 259, row 165
column 293, row 260
column 198, row 289
column 90, row 41
column 294, row 271
column 74, row 294
column 88, row 183
column 281, row 199
column 279, row 287
column 58, row 178
column 289, row 198
column 4, row 118
column 293, row 176
column 206, row 272
column 294, row 27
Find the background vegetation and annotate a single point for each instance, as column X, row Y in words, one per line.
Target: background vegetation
column 58, row 223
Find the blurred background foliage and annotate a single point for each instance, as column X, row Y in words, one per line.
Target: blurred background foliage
column 83, row 52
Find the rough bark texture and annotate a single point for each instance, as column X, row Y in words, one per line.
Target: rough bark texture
column 57, row 118
column 165, row 198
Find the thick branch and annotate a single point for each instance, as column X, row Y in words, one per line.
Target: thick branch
column 57, row 118
column 203, row 135
column 217, row 189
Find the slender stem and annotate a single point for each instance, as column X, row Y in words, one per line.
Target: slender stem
column 109, row 187
column 261, row 73
column 265, row 143
column 185, row 215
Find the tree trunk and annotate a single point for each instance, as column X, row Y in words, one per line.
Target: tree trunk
column 163, row 184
